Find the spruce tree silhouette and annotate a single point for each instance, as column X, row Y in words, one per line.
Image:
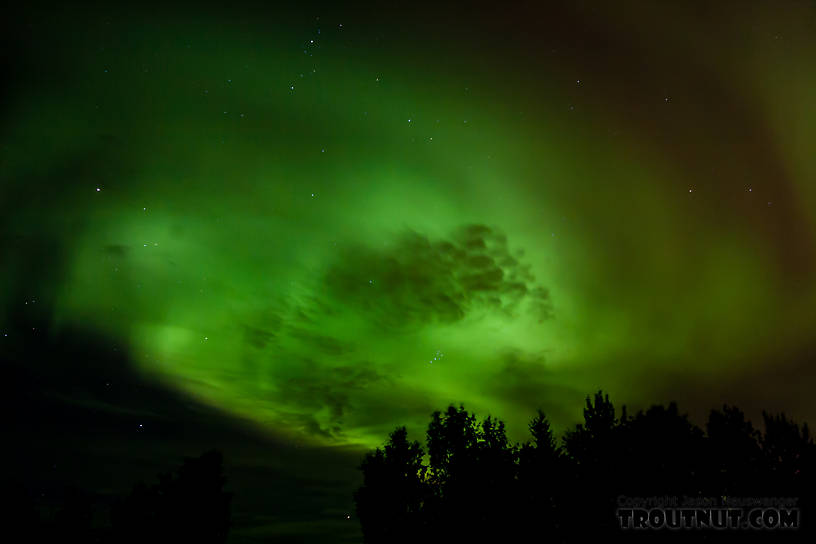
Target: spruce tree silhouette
column 542, row 480
column 188, row 506
column 394, row 491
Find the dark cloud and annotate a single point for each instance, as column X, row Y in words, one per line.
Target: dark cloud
column 524, row 381
column 263, row 328
column 416, row 281
column 406, row 406
column 316, row 388
column 257, row 337
column 116, row 250
column 328, row 345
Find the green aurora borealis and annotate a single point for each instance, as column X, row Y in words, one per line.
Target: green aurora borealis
column 511, row 210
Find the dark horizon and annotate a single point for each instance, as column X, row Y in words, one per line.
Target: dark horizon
column 86, row 447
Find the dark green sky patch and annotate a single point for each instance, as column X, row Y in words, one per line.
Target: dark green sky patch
column 415, row 281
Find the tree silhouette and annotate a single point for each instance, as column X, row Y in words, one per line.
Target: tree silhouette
column 477, row 487
column 735, row 456
column 596, row 455
column 542, row 479
column 662, row 450
column 789, row 455
column 472, row 470
column 786, row 447
column 188, row 506
column 390, row 500
column 591, row 443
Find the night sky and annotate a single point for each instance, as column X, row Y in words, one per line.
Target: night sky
column 284, row 230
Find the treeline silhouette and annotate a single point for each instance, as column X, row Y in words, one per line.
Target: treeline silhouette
column 470, row 484
column 187, row 505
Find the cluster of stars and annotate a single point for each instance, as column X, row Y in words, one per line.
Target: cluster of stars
column 437, row 357
column 308, row 50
